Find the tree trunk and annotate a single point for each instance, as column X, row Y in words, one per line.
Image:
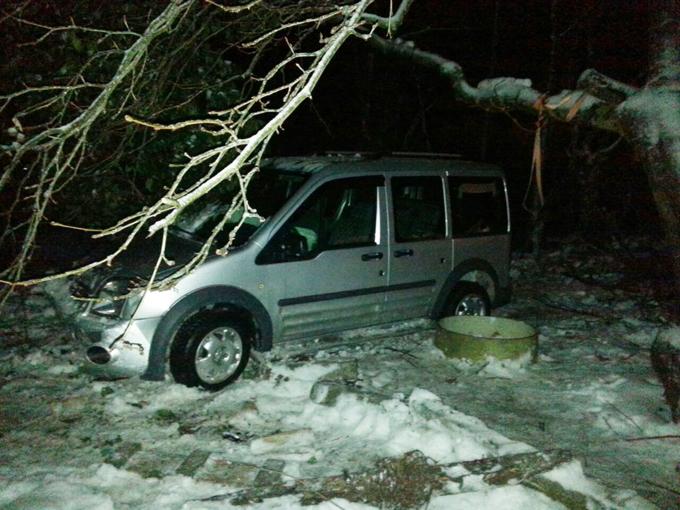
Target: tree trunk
column 652, row 117
column 653, row 122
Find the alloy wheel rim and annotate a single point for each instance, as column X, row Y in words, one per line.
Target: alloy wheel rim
column 472, row 304
column 218, row 355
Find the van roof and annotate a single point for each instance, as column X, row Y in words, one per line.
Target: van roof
column 362, row 162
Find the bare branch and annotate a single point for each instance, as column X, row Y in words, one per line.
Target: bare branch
column 60, row 145
column 287, row 26
column 255, row 142
column 73, row 227
column 48, row 88
column 176, row 125
column 393, row 22
column 77, row 126
column 233, row 9
column 61, row 148
column 68, row 28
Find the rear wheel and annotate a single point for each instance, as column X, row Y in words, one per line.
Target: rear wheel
column 210, row 350
column 467, row 298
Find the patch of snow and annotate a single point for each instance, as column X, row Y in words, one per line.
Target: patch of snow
column 380, row 378
column 287, row 383
column 62, row 369
column 642, row 337
column 571, row 476
column 282, row 503
column 119, row 405
column 173, row 395
column 494, row 367
column 508, row 498
column 295, row 440
column 68, row 489
column 37, row 358
column 507, row 368
column 52, row 492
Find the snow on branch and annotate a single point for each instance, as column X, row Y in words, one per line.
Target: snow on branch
column 505, row 93
column 605, row 88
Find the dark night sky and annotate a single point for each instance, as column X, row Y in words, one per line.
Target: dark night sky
column 361, row 88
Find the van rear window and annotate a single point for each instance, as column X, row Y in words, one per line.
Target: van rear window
column 418, row 204
column 478, row 206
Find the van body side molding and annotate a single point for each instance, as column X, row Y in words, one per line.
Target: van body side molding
column 352, row 293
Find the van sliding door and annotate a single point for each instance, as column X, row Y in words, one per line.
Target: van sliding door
column 420, row 250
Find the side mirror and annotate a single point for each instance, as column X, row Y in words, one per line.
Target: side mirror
column 285, row 247
column 292, row 246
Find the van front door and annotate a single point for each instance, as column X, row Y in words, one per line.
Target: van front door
column 332, row 259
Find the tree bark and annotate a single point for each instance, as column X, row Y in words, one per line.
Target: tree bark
column 651, row 122
column 653, row 128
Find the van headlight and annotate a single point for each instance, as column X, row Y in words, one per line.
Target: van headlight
column 113, row 298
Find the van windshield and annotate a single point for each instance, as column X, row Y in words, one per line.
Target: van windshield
column 267, row 192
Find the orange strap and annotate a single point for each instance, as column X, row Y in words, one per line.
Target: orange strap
column 536, row 175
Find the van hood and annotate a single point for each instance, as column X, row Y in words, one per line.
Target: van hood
column 137, row 263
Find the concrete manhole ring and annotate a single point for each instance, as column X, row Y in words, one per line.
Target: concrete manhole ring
column 477, row 338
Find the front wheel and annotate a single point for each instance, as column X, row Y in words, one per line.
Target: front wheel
column 210, row 350
column 468, row 299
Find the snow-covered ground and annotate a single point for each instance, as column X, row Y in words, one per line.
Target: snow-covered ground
column 337, row 425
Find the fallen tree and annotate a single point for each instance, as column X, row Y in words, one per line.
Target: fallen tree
column 647, row 117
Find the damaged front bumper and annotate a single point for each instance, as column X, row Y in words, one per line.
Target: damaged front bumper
column 118, row 347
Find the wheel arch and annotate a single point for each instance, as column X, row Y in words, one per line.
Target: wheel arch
column 477, row 271
column 218, row 296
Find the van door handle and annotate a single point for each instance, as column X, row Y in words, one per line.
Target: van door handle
column 404, row 253
column 376, row 255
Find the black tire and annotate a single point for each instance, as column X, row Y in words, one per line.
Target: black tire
column 467, row 298
column 210, row 350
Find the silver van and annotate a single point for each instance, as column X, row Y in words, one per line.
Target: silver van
column 348, row 241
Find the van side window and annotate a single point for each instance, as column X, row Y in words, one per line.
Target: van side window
column 418, row 205
column 339, row 214
column 477, row 206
